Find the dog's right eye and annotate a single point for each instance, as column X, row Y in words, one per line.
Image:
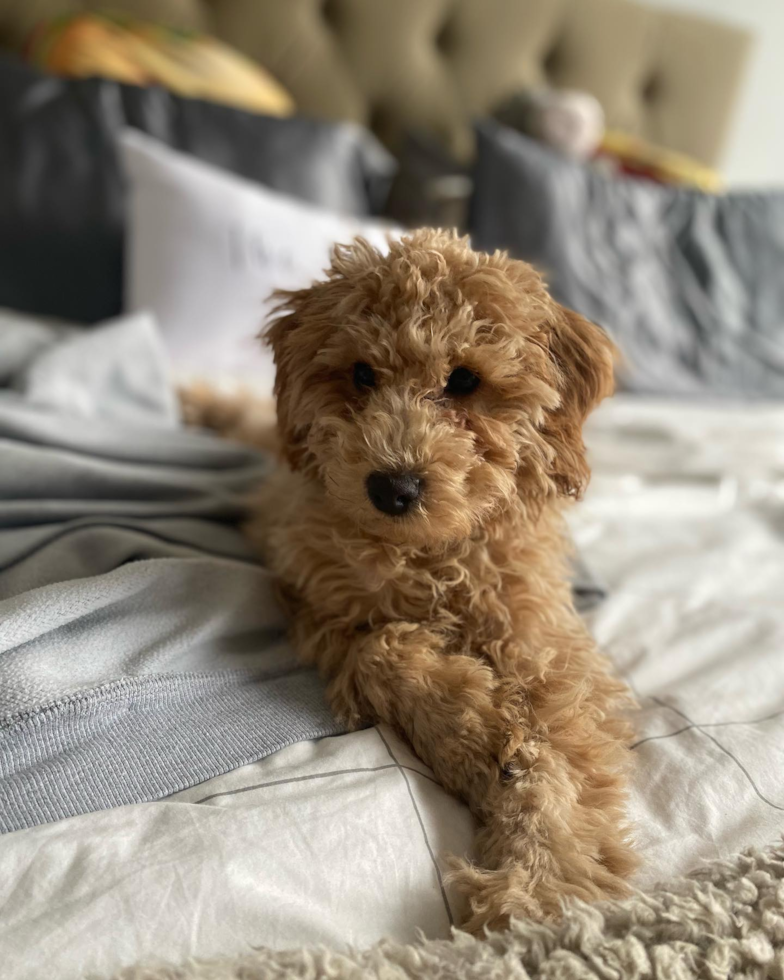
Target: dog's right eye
column 364, row 376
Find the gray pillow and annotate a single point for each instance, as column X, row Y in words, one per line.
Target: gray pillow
column 62, row 194
column 689, row 285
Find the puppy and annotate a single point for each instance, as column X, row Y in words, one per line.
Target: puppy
column 430, row 405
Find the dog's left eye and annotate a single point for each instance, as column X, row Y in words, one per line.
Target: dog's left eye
column 364, row 376
column 462, row 382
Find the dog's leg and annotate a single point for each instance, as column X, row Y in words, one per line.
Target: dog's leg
column 236, row 415
column 400, row 674
column 549, row 796
column 544, row 774
column 554, row 827
column 547, row 835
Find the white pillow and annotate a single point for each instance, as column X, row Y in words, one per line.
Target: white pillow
column 205, row 251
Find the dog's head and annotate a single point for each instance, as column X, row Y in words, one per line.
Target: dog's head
column 426, row 388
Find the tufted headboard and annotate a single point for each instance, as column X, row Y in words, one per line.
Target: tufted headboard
column 436, row 64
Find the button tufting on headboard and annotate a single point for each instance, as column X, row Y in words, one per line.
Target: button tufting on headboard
column 436, row 64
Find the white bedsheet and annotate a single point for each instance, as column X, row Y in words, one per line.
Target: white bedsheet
column 340, row 841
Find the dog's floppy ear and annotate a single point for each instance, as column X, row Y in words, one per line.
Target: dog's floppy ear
column 583, row 356
column 285, row 334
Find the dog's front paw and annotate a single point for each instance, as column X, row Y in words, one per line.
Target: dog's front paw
column 495, row 897
column 519, row 752
column 346, row 703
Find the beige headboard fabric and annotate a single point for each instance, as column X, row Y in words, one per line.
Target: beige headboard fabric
column 436, row 64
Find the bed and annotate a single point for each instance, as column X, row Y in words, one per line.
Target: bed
column 341, row 840
column 171, row 782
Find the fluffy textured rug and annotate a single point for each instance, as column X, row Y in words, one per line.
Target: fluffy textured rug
column 725, row 920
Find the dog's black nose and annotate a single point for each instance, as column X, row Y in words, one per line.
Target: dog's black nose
column 393, row 493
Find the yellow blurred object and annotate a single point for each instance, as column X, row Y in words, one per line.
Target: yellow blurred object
column 640, row 158
column 143, row 53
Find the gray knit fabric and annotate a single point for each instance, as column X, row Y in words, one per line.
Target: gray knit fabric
column 141, row 649
column 724, row 921
column 140, row 739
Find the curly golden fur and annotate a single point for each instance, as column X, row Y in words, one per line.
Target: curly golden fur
column 453, row 621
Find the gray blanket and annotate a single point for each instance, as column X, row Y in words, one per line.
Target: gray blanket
column 140, row 648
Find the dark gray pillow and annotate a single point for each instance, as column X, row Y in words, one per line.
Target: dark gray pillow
column 689, row 285
column 62, row 200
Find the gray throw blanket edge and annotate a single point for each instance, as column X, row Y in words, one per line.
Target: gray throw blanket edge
column 137, row 740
